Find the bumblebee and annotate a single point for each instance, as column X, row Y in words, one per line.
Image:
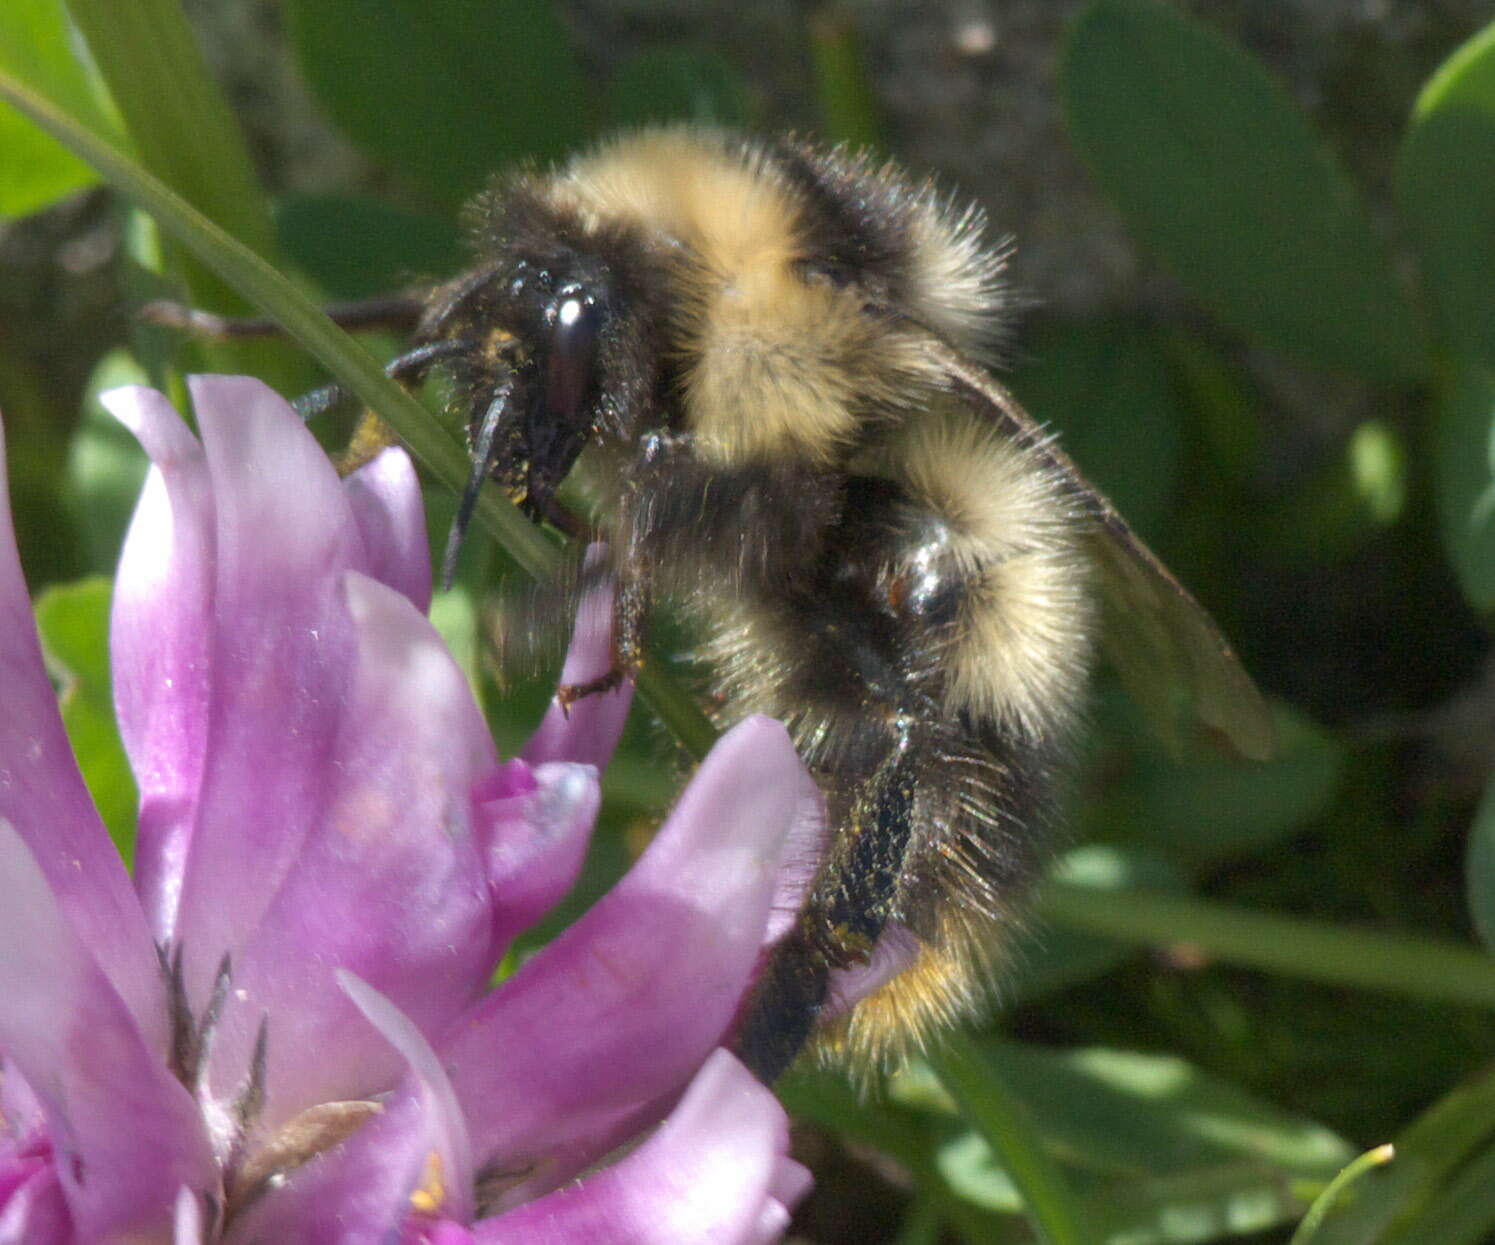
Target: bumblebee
column 771, row 360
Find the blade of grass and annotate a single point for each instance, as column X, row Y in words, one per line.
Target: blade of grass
column 1395, row 963
column 977, row 1087
column 348, row 361
column 1462, row 1212
column 176, row 117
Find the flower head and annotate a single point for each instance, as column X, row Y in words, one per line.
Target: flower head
column 280, row 1028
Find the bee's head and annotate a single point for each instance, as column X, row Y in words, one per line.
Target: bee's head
column 557, row 355
column 539, row 396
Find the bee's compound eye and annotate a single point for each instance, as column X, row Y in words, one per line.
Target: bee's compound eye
column 573, row 352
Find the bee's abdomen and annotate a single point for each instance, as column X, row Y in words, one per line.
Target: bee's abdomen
column 936, row 767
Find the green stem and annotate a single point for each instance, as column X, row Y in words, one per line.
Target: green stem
column 1398, row 964
column 848, row 108
column 1309, row 1225
column 976, row 1084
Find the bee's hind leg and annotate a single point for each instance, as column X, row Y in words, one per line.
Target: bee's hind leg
column 851, row 902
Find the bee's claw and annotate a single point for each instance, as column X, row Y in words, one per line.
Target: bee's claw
column 567, row 694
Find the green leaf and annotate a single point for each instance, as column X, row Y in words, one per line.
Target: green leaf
column 1463, row 1212
column 1465, row 480
column 37, row 170
column 820, row 1095
column 1445, row 184
column 178, row 125
column 177, row 119
column 1479, row 869
column 1217, row 397
column 1216, row 169
column 455, row 617
column 1047, row 959
column 1105, row 386
column 359, row 248
column 1206, row 808
column 73, row 620
column 676, row 84
column 1156, row 1150
column 1121, row 1110
column 444, row 92
column 903, row 1134
column 1467, row 77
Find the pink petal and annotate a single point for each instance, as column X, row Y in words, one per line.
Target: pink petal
column 35, row 1212
column 20, row 1112
column 538, row 844
column 444, row 1233
column 616, row 1013
column 428, row 1080
column 894, row 951
column 42, row 795
column 126, row 1134
column 408, row 1164
column 187, row 1222
column 282, row 648
column 387, row 506
column 798, row 863
column 390, row 881
column 589, row 731
column 161, row 643
column 711, row 1174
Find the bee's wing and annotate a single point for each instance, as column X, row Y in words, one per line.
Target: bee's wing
column 1167, row 649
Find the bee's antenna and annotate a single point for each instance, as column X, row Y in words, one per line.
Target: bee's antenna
column 482, row 466
column 448, row 300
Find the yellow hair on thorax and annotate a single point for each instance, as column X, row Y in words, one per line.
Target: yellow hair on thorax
column 767, row 358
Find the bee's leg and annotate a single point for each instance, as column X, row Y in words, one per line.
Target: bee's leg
column 564, row 520
column 630, row 607
column 395, row 312
column 850, row 905
column 765, row 521
column 408, row 368
column 762, row 523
